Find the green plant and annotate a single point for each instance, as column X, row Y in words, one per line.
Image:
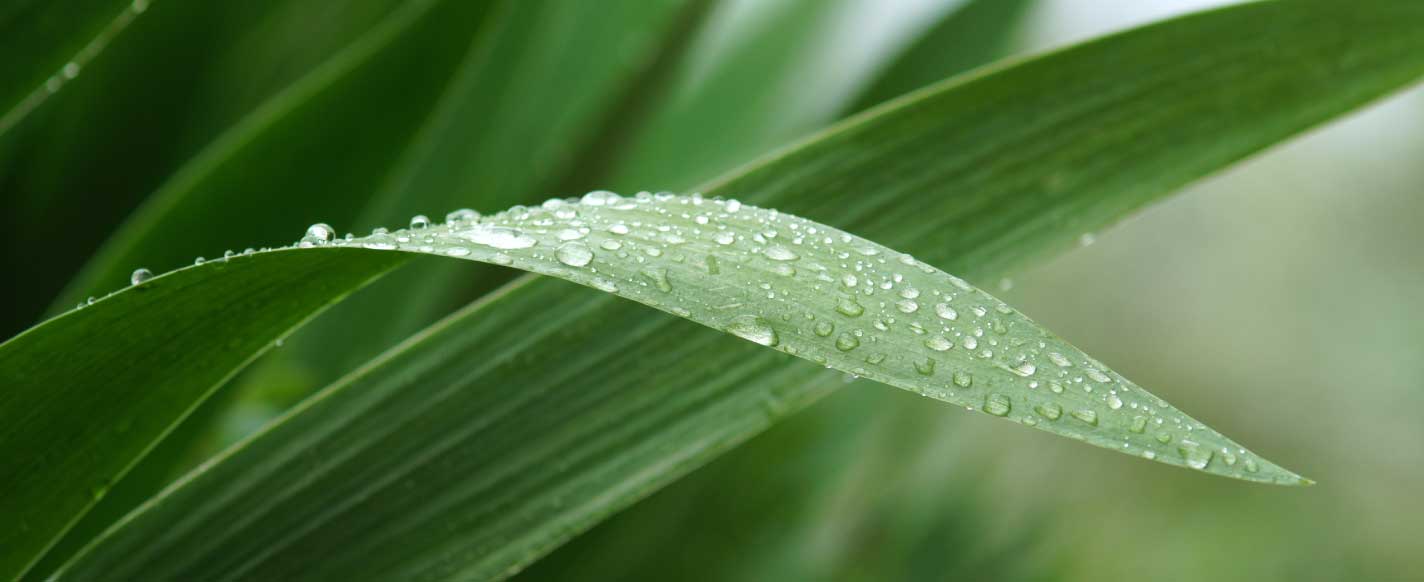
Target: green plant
column 486, row 439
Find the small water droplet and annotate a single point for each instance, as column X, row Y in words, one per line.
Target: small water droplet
column 997, row 404
column 419, row 221
column 1139, row 424
column 457, row 251
column 846, row 342
column 907, row 306
column 1059, row 359
column 823, row 328
column 724, row 238
column 970, row 342
column 1049, row 410
column 1024, row 368
column 733, row 206
column 963, row 379
column 574, row 254
column 1098, row 376
column 140, row 275
column 600, row 198
column 925, row 367
column 1114, row 402
column 753, row 328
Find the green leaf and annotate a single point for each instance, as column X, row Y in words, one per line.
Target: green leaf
column 969, row 36
column 799, row 287
column 43, row 45
column 945, row 186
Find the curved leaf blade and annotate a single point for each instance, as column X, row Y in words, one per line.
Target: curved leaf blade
column 793, row 285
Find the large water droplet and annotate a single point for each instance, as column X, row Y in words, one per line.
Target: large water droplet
column 997, row 404
column 600, row 198
column 847, row 342
column 659, row 277
column 823, row 328
column 753, row 328
column 925, row 367
column 1087, row 416
column 946, row 312
column 498, row 237
column 938, row 343
column 907, row 306
column 318, row 234
column 419, row 221
column 780, row 253
column 1196, row 456
column 1049, row 410
column 849, row 308
column 574, row 254
column 140, row 275
column 963, row 379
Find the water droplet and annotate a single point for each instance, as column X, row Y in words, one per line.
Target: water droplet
column 1086, row 239
column 823, row 328
column 963, row 379
column 724, row 238
column 907, row 306
column 925, row 367
column 1164, row 438
column 1195, row 455
column 1098, row 376
column 1250, row 466
column 574, row 254
column 600, row 198
column 1024, row 368
column 1139, row 424
column 498, row 237
column 1059, row 359
column 846, row 342
column 199, row 261
column 997, row 404
column 462, row 215
column 659, row 277
column 457, row 251
column 946, row 312
column 140, row 275
column 1049, row 410
column 849, row 308
column 419, row 221
column 1087, row 416
column 1055, row 387
column 780, row 253
column 1114, row 402
column 733, row 206
column 571, row 234
column 318, row 234
column 970, row 342
column 753, row 328
column 938, row 343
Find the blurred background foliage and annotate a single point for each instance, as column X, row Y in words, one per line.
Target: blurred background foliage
column 1209, row 298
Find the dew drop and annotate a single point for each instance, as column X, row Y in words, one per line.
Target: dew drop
column 574, row 254
column 1194, row 454
column 753, row 328
column 733, row 206
column 1098, row 376
column 1049, row 410
column 462, row 215
column 938, row 343
column 1024, row 368
column 925, row 367
column 780, row 253
column 318, row 234
column 1059, row 359
column 946, row 312
column 724, row 238
column 1114, row 402
column 823, row 328
column 1087, row 416
column 846, row 342
column 659, row 278
column 457, row 251
column 140, row 275
column 997, row 404
column 498, row 237
column 971, row 343
column 963, row 379
column 849, row 308
column 907, row 306
column 419, row 221
column 1139, row 424
column 600, row 198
